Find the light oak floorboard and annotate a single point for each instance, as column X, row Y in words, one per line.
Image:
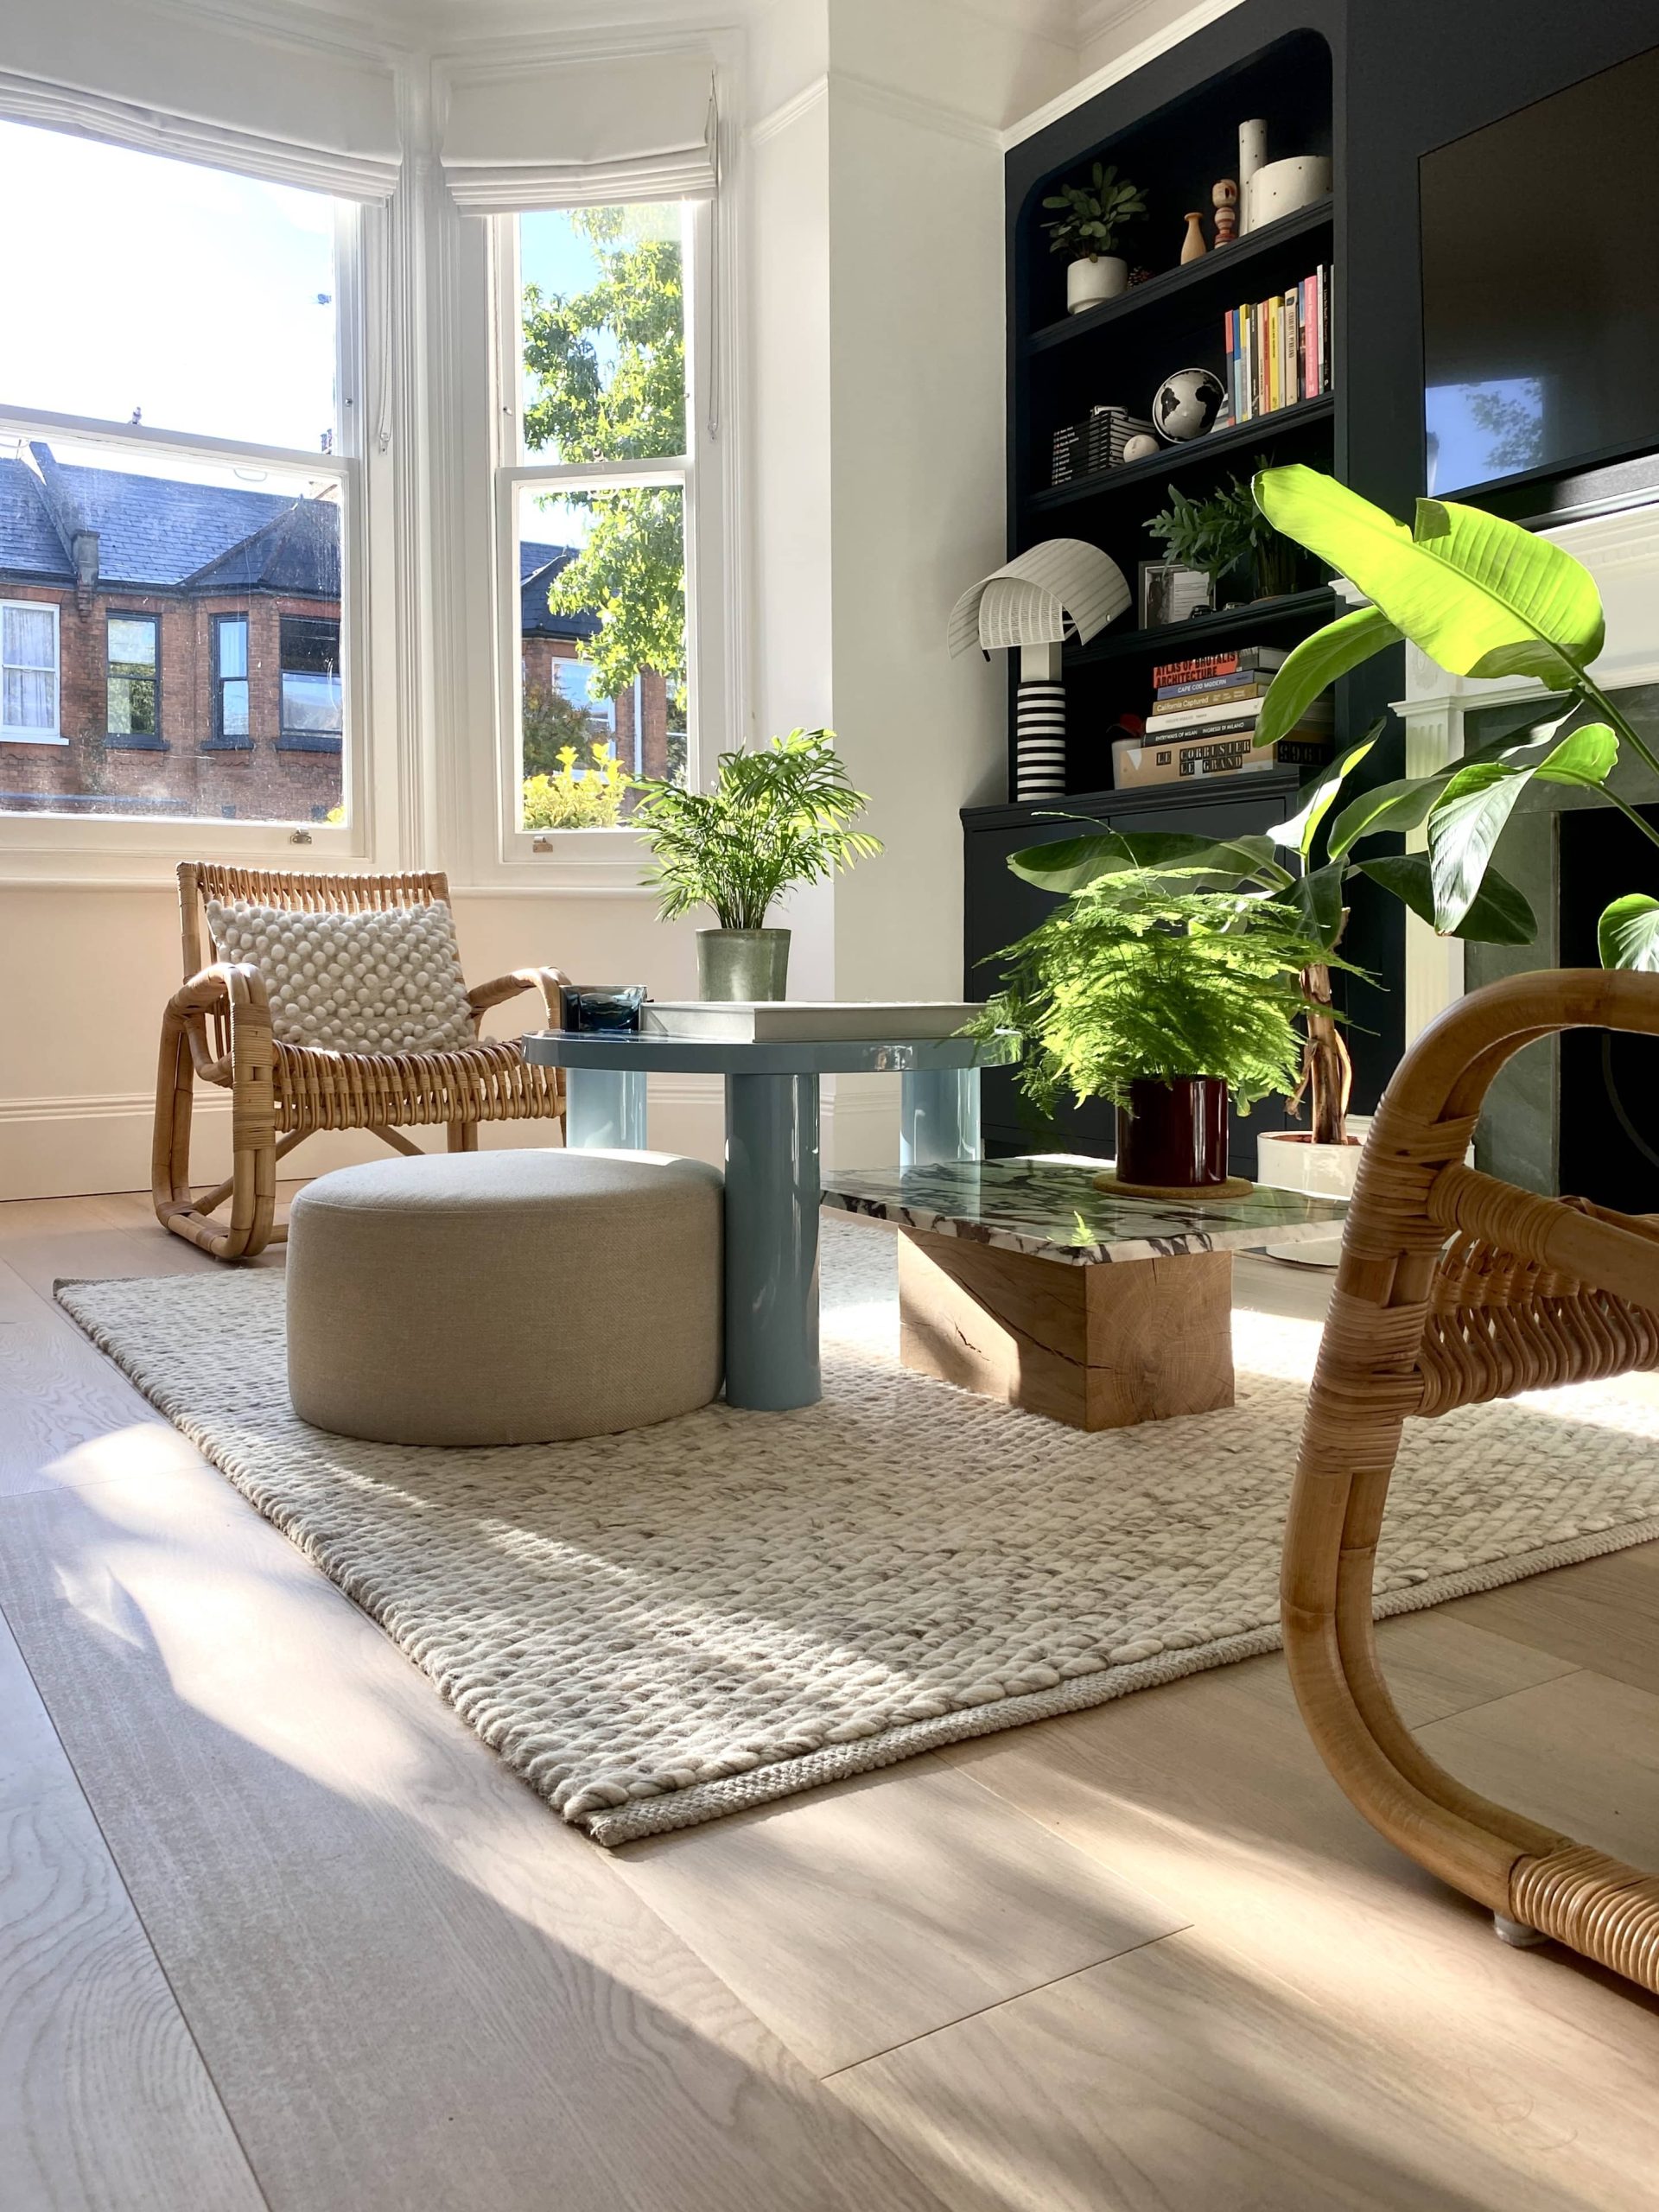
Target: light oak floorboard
column 864, row 1915
column 104, row 2103
column 413, row 1986
column 49, row 1240
column 1209, row 1794
column 1177, row 2080
column 1604, row 1614
column 66, row 1414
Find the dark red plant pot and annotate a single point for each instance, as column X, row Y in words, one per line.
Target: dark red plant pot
column 1175, row 1134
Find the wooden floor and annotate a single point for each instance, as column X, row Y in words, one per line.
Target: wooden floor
column 276, row 1930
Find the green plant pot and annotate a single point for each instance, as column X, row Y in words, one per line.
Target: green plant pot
column 742, row 963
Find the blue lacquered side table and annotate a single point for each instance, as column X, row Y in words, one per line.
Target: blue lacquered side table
column 774, row 1182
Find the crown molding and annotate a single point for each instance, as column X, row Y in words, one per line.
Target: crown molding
column 361, row 36
column 789, row 112
column 916, row 108
column 1159, row 39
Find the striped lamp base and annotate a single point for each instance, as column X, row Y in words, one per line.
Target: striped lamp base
column 1039, row 740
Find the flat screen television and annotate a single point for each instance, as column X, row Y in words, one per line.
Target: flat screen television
column 1541, row 295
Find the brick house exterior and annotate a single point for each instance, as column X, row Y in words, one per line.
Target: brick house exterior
column 233, row 597
column 103, row 545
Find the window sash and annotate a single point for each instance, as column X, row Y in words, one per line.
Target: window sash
column 132, row 680
column 231, row 682
column 28, row 683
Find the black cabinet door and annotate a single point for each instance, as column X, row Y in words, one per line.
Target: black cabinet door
column 1001, row 907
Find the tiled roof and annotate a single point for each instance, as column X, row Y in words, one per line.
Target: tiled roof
column 28, row 545
column 538, row 567
column 154, row 530
column 298, row 552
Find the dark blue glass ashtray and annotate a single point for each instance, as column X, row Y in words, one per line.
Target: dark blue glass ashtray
column 601, row 1010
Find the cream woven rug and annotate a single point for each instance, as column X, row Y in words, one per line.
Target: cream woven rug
column 659, row 1628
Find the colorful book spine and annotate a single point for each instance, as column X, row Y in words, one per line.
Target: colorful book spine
column 1218, row 664
column 1238, row 682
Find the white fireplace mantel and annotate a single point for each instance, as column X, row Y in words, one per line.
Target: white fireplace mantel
column 1621, row 553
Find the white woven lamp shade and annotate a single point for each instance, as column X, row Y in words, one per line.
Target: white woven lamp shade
column 1063, row 587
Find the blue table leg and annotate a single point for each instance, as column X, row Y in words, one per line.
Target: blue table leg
column 774, row 1188
column 939, row 1117
column 605, row 1108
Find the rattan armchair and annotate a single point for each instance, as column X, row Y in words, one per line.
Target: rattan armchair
column 1453, row 1289
column 216, row 1027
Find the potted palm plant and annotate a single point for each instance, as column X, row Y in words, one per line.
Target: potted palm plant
column 1169, row 982
column 780, row 817
column 1089, row 220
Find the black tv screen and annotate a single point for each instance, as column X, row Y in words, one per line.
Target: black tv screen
column 1541, row 286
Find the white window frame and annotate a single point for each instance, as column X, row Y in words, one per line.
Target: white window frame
column 8, row 735
column 609, row 859
column 87, row 848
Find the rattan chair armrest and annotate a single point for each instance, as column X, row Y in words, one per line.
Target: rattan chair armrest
column 545, row 980
column 228, row 986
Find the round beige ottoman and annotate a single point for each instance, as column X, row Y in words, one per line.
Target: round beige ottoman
column 505, row 1297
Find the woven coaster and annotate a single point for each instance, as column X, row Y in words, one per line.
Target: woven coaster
column 1235, row 1186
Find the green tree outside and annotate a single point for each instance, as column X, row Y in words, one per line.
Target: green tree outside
column 609, row 371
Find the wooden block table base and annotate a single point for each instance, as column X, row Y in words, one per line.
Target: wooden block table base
column 1095, row 1347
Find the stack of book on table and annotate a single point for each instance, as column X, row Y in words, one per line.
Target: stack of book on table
column 1203, row 723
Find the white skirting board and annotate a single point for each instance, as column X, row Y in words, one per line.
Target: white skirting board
column 66, row 1147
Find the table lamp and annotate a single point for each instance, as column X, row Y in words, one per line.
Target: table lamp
column 1063, row 587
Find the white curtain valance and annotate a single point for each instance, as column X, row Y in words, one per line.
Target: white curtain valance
column 362, row 165
column 581, row 133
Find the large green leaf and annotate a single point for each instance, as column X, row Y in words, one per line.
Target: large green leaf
column 1470, row 814
column 1317, row 797
column 1481, row 596
column 1316, row 664
column 1628, row 933
column 1500, row 913
column 1406, row 803
column 1070, row 863
column 1316, row 899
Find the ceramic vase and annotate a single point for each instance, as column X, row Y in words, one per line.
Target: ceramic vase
column 1193, row 246
column 742, row 963
column 1088, row 283
column 1173, row 1135
column 1252, row 154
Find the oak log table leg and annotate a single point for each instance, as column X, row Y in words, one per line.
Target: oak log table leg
column 1095, row 1347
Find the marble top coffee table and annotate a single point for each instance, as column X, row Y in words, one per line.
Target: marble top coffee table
column 1018, row 1279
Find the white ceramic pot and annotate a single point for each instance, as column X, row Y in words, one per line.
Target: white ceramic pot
column 1289, row 1159
column 1283, row 188
column 1089, row 283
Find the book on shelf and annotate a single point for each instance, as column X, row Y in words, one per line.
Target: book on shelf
column 1214, row 690
column 1086, row 448
column 1278, row 350
column 1188, row 713
column 1231, row 662
column 1136, row 764
column 796, row 1021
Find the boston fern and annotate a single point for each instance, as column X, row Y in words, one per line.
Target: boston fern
column 780, row 816
column 1148, row 971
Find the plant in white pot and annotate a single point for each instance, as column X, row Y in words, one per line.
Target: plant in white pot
column 777, row 817
column 1088, row 221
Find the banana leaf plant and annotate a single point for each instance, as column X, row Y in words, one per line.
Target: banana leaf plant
column 1483, row 598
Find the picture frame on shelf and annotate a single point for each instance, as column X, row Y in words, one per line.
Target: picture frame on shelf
column 1170, row 592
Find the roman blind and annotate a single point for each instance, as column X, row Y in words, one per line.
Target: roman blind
column 581, row 133
column 335, row 132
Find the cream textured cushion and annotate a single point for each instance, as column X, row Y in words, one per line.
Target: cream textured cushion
column 505, row 1297
column 366, row 983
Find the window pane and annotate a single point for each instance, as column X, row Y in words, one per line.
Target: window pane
column 31, row 638
column 310, row 644
column 205, row 540
column 601, row 649
column 231, row 637
column 187, row 297
column 132, row 643
column 602, row 365
column 310, row 704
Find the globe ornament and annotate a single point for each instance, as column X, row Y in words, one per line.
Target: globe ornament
column 1186, row 404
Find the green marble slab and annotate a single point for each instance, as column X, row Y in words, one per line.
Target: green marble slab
column 1049, row 1209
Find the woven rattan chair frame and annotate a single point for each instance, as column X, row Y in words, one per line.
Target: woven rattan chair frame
column 217, row 1027
column 1455, row 1288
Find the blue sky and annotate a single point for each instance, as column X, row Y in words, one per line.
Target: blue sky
column 185, row 291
